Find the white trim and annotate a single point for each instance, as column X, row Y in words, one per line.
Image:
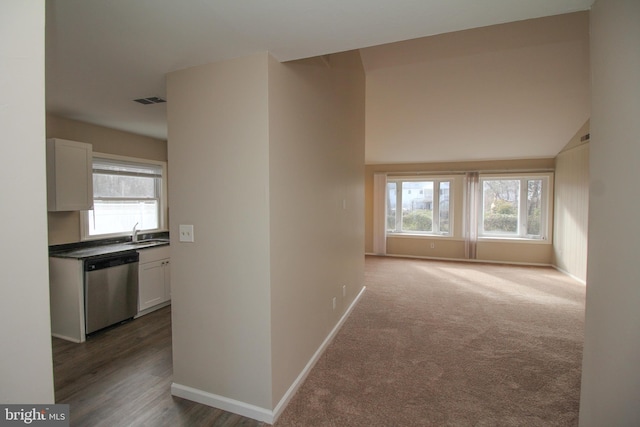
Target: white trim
column 565, row 272
column 436, row 180
column 256, row 412
column 221, row 402
column 66, row 338
column 545, row 210
column 477, row 261
column 152, row 309
column 504, row 239
column 164, row 200
column 307, row 369
column 498, row 239
column 577, row 279
column 424, row 236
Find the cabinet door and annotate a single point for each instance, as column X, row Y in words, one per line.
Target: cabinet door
column 69, row 175
column 151, row 284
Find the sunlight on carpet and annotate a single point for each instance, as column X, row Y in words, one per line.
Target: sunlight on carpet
column 446, row 343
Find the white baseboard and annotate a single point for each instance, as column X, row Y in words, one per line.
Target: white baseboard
column 152, row 309
column 66, row 338
column 256, row 412
column 576, row 278
column 477, row 261
column 314, row 359
column 221, row 402
column 532, row 264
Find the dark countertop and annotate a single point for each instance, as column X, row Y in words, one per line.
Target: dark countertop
column 83, row 250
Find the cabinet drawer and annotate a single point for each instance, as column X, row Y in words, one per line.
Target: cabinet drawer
column 153, row 254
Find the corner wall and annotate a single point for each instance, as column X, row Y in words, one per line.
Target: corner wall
column 219, row 160
column 267, row 163
column 571, row 207
column 26, row 367
column 610, row 374
column 316, row 171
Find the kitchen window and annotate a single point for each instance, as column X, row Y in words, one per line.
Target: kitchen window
column 514, row 207
column 419, row 206
column 126, row 192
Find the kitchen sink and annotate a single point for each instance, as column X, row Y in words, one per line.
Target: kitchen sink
column 148, row 242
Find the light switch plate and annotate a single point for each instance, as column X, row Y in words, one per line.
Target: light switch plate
column 186, row 233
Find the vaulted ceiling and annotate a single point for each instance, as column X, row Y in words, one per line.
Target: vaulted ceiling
column 101, row 55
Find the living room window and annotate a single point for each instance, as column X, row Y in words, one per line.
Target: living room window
column 514, row 206
column 419, row 206
column 126, row 192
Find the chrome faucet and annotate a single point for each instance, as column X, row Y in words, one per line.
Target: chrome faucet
column 134, row 233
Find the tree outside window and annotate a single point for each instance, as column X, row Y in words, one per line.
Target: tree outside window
column 512, row 207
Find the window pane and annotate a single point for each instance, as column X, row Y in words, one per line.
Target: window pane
column 534, row 206
column 391, row 206
column 417, row 205
column 130, row 187
column 500, row 206
column 444, row 207
column 120, row 216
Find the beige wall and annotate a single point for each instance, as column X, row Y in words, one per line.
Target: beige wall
column 610, row 370
column 571, row 206
column 64, row 227
column 525, row 82
column 219, row 159
column 106, row 140
column 510, row 91
column 276, row 153
column 316, row 173
column 453, row 247
column 26, row 371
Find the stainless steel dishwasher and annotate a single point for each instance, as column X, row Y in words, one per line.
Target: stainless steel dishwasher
column 110, row 289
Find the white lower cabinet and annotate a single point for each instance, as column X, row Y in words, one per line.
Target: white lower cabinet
column 154, row 283
column 66, row 292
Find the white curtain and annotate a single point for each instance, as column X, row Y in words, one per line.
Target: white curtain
column 472, row 196
column 379, row 213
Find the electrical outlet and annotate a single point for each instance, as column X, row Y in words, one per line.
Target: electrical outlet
column 433, row 245
column 333, row 302
column 186, row 233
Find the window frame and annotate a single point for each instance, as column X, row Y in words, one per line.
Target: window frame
column 545, row 208
column 162, row 199
column 437, row 180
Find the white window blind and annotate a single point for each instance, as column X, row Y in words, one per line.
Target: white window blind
column 125, row 193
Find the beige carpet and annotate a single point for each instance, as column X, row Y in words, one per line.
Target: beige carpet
column 451, row 344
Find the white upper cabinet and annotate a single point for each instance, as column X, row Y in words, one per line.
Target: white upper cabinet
column 69, row 175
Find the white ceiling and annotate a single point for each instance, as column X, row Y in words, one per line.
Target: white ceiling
column 103, row 54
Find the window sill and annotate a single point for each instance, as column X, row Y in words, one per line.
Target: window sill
column 421, row 236
column 121, row 235
column 503, row 239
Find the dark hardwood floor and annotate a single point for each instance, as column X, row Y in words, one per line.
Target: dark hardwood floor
column 122, row 377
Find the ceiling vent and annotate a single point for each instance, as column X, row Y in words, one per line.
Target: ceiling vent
column 151, row 100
